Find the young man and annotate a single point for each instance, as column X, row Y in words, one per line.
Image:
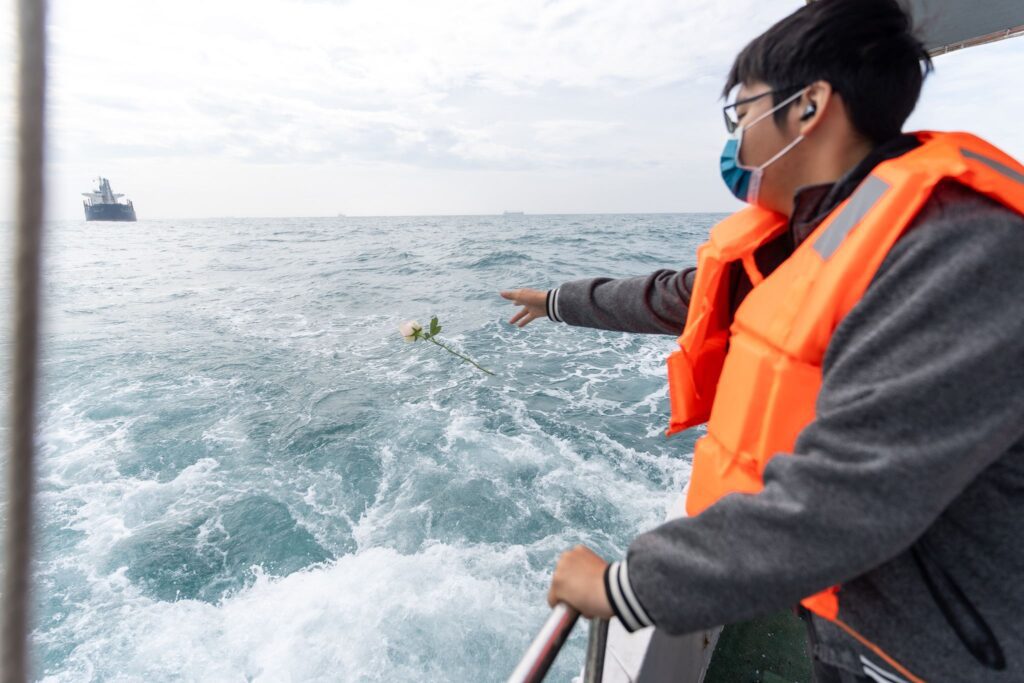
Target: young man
column 855, row 341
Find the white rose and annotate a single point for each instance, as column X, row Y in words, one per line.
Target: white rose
column 409, row 330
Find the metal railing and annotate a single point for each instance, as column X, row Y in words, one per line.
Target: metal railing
column 541, row 653
column 593, row 670
column 31, row 16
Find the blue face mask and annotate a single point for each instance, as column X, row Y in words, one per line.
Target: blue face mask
column 745, row 181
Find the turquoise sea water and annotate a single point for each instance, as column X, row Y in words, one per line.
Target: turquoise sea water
column 246, row 475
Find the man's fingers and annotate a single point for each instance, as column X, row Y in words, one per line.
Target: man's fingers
column 527, row 319
column 523, row 317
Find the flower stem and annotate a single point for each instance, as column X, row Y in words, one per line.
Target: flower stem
column 456, row 353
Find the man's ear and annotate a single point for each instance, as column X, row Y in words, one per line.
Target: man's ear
column 812, row 106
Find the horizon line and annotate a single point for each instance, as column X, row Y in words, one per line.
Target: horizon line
column 413, row 215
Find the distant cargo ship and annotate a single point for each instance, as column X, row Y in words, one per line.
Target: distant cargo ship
column 103, row 205
column 513, row 213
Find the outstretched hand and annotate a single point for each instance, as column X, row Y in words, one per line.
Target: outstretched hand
column 533, row 302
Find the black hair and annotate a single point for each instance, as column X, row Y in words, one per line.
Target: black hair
column 865, row 49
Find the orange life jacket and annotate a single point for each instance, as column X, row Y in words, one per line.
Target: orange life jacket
column 754, row 377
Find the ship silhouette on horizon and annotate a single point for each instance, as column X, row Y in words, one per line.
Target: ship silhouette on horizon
column 104, row 205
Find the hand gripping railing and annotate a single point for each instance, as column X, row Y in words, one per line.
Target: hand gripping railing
column 539, row 657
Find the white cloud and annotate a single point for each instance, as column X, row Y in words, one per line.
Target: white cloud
column 276, row 80
column 569, row 132
column 570, row 95
column 976, row 90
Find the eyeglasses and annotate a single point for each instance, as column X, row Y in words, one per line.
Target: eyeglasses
column 731, row 115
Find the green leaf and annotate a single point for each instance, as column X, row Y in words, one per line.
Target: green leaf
column 435, row 327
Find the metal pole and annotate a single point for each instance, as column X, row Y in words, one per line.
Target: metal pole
column 28, row 242
column 541, row 654
column 593, row 670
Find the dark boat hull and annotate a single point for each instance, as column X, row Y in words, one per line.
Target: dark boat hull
column 110, row 212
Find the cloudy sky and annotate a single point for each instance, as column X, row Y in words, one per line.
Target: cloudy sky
column 201, row 108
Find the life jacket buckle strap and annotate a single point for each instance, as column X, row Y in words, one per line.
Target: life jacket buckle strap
column 751, row 269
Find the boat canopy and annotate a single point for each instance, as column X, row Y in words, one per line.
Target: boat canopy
column 947, row 25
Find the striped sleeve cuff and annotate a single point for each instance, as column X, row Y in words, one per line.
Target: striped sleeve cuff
column 552, row 306
column 622, row 598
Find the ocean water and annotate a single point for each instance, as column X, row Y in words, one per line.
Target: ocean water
column 246, row 475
